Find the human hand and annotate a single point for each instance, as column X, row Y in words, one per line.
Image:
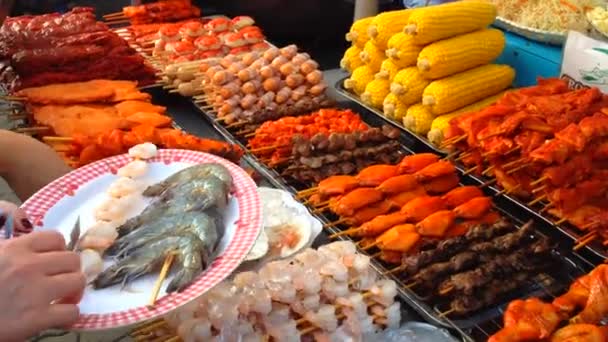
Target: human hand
column 13, row 220
column 41, row 284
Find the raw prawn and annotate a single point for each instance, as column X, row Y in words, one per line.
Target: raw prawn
column 190, row 174
column 435, row 170
column 356, row 199
column 416, row 162
column 460, row 195
column 91, row 263
column 398, row 184
column 436, row 224
column 474, row 208
column 419, row 208
column 376, row 174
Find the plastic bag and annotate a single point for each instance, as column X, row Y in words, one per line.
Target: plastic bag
column 585, row 62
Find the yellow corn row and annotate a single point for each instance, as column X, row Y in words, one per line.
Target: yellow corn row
column 442, row 122
column 393, row 108
column 451, row 56
column 418, row 119
column 386, row 24
column 402, row 50
column 462, row 89
column 372, row 56
column 435, row 23
column 408, row 85
column 375, row 92
column 388, row 70
column 359, row 79
column 358, row 32
column 351, row 59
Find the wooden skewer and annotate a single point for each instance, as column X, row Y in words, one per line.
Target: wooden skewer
column 560, row 221
column 370, row 246
column 512, row 163
column 237, row 124
column 462, row 156
column 540, row 180
column 173, row 339
column 446, row 291
column 322, row 204
column 410, row 285
column 523, row 166
column 584, row 242
column 445, row 313
column 320, row 210
column 249, row 135
column 161, row 278
column 539, row 189
column 377, row 254
column 452, row 141
column 117, row 22
column 337, row 222
column 151, row 326
column 17, row 116
column 539, row 199
column 451, row 155
column 306, row 192
column 589, row 225
column 115, row 14
column 173, row 91
column 31, row 129
column 546, row 207
column 394, row 270
column 488, row 183
column 466, row 172
column 584, row 237
column 266, row 148
column 488, row 170
column 57, row 139
column 13, row 98
column 344, row 232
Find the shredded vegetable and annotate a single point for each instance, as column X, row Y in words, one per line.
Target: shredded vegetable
column 548, row 15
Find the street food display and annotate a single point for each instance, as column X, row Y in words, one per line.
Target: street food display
column 543, row 144
column 62, row 48
column 365, row 224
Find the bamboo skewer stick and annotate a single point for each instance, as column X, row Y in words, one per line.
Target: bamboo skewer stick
column 446, row 291
column 523, row 166
column 445, row 313
column 337, row 222
column 161, row 278
column 560, row 221
column 32, row 129
column 584, row 237
column 540, row 180
column 266, row 148
column 584, row 242
column 57, row 139
column 539, row 189
column 466, row 172
column 539, row 199
column 452, row 141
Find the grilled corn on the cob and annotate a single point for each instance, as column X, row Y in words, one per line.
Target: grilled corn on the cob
column 388, row 70
column 358, row 32
column 462, row 89
column 451, row 56
column 351, row 59
column 418, row 119
column 442, row 122
column 393, row 108
column 402, row 50
column 375, row 92
column 409, row 85
column 359, row 79
column 434, row 23
column 384, row 25
column 372, row 56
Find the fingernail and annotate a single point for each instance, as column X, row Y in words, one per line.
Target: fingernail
column 26, row 224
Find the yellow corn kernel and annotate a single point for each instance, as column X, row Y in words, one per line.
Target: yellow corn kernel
column 351, row 59
column 393, row 108
column 375, row 92
column 451, row 56
column 402, row 50
column 418, row 119
column 359, row 79
column 442, row 122
column 358, row 32
column 372, row 56
column 384, row 25
column 462, row 89
column 388, row 70
column 439, row 22
column 408, row 85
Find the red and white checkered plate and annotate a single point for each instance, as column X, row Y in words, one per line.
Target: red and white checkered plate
column 57, row 206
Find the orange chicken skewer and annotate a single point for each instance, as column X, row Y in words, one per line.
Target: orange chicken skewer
column 398, row 184
column 358, row 198
column 419, row 208
column 414, row 163
column 376, row 174
column 461, row 195
column 474, row 208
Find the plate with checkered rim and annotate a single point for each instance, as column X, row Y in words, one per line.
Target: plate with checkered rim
column 64, row 199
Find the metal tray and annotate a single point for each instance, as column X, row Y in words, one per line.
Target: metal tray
column 571, row 263
column 339, row 86
column 571, row 232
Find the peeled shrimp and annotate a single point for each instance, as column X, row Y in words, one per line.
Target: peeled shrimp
column 134, row 169
column 115, row 209
column 123, row 186
column 324, row 318
column 91, row 263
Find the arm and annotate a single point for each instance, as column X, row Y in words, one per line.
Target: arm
column 27, row 164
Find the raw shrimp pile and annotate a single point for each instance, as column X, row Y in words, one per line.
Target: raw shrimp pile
column 331, row 294
column 111, row 213
column 190, row 41
column 253, row 87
